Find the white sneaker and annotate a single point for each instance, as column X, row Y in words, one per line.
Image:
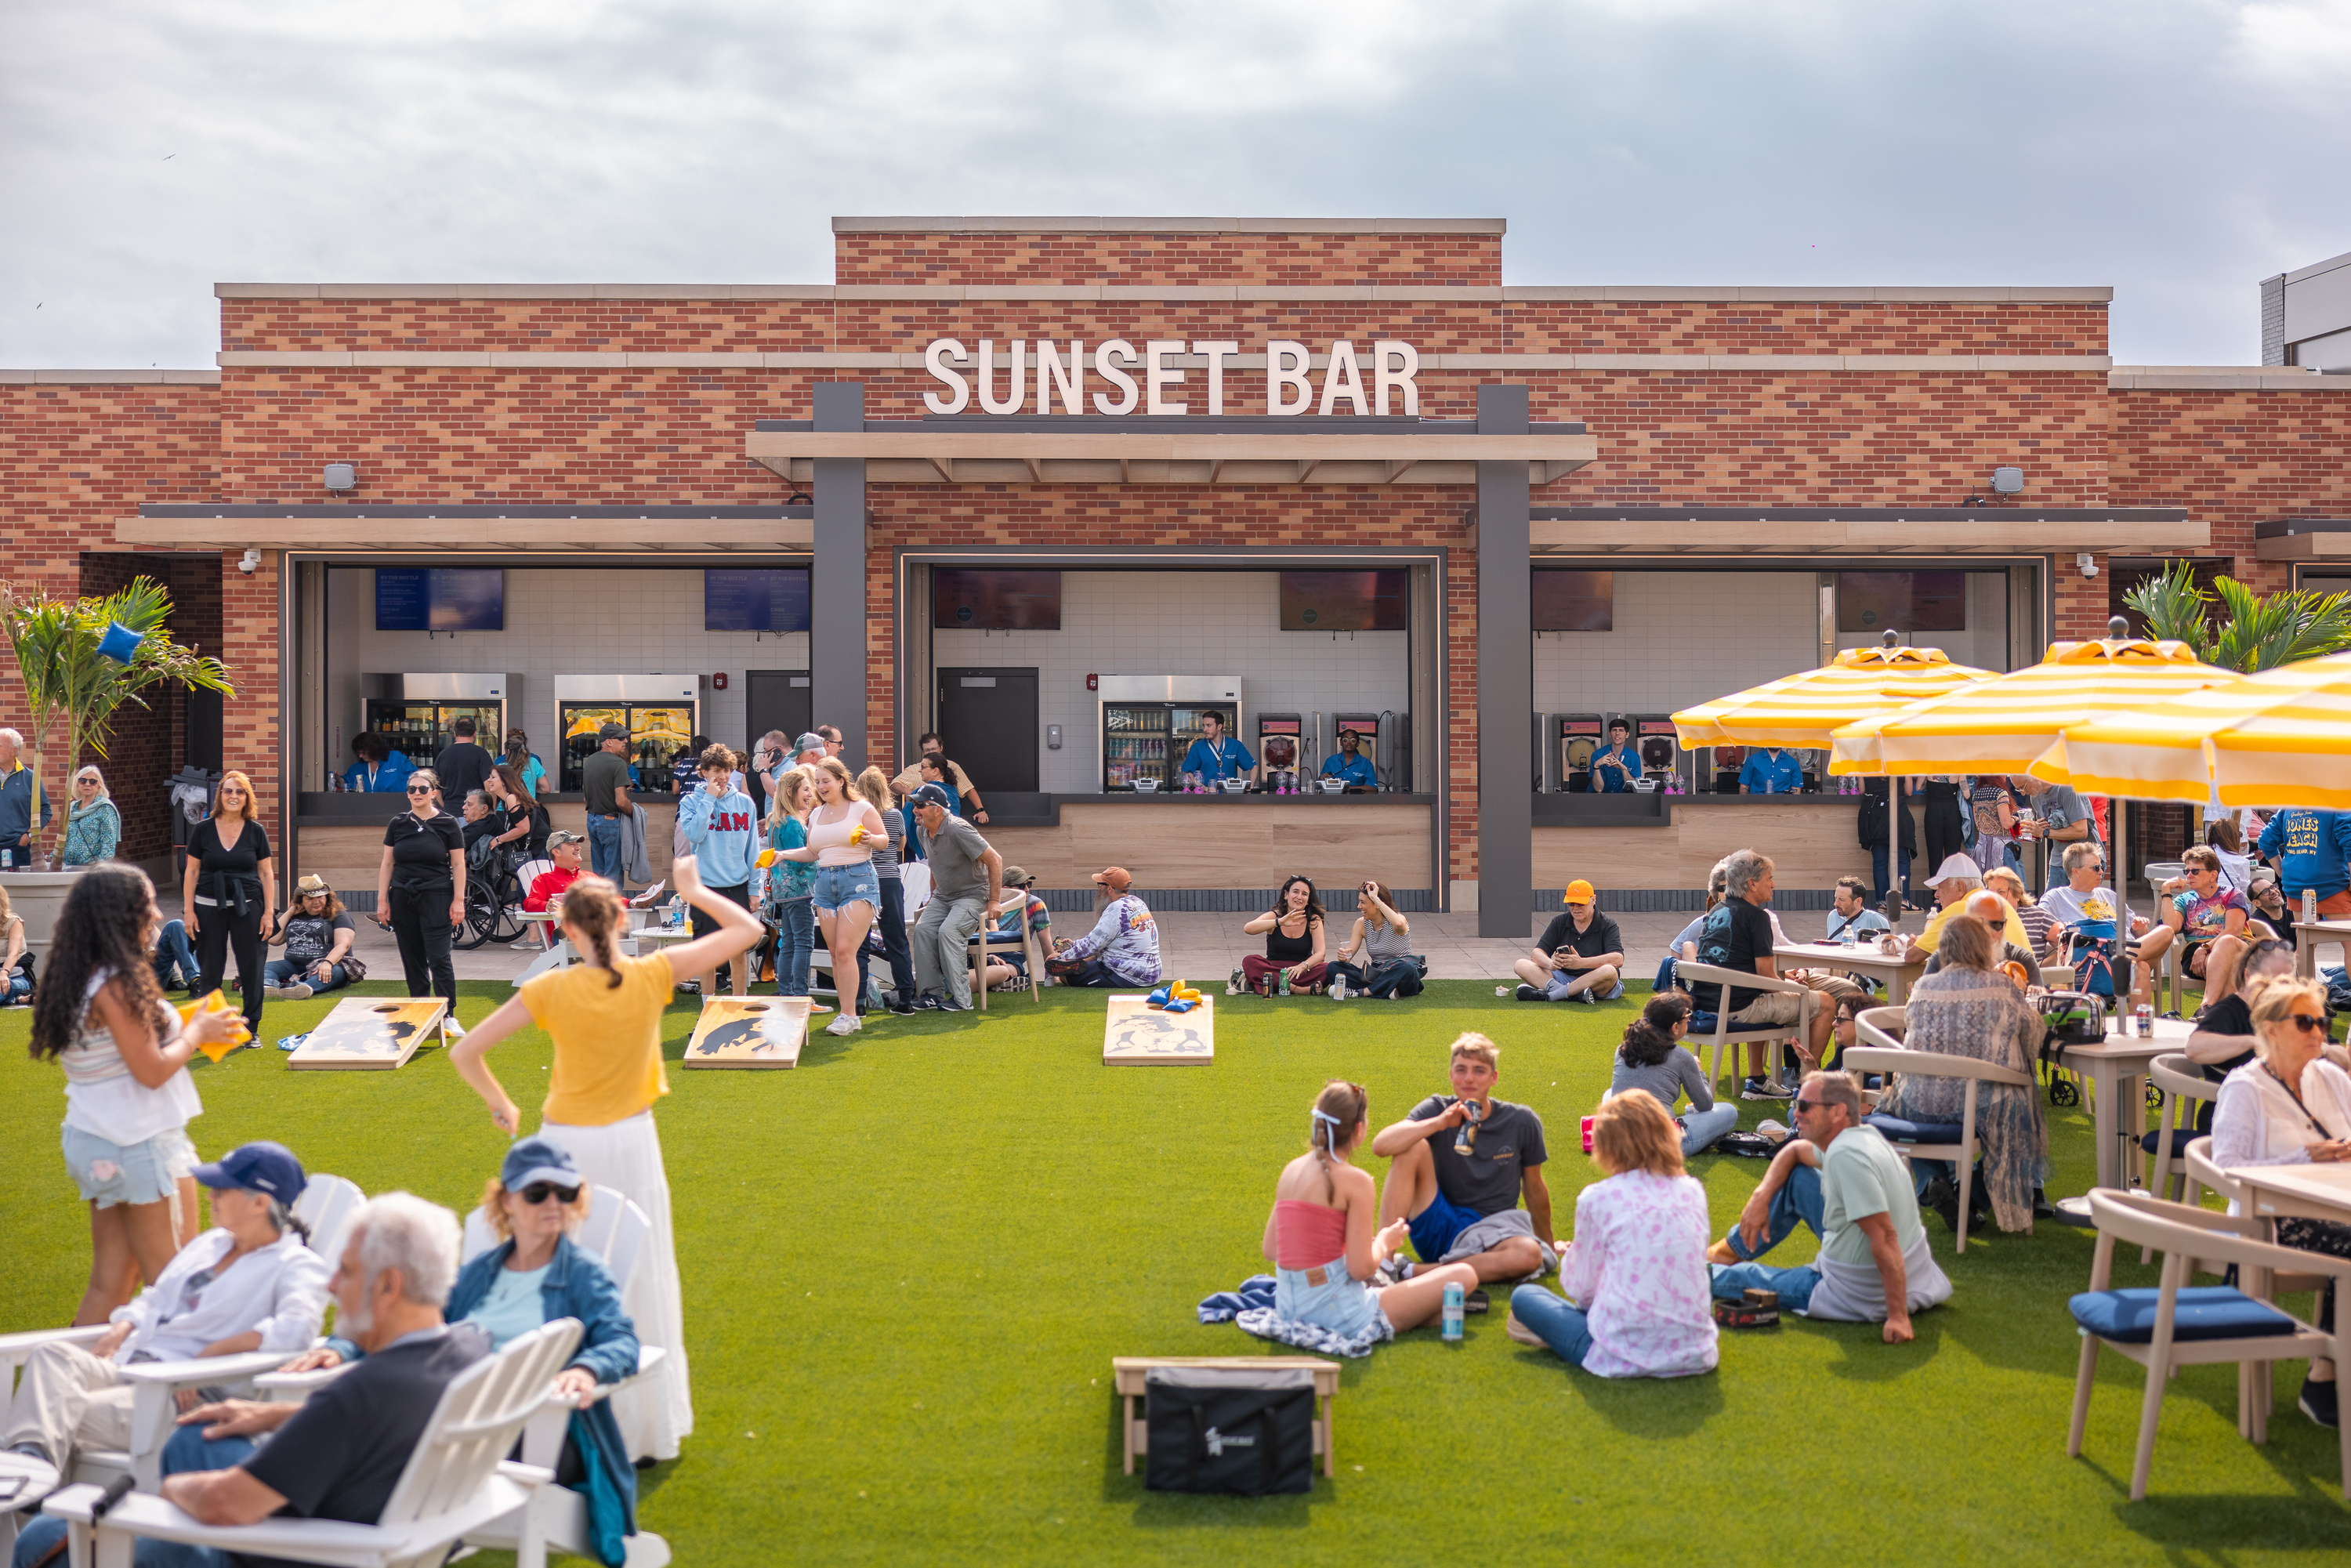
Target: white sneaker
column 451, row 1027
column 1770, row 1129
column 844, row 1023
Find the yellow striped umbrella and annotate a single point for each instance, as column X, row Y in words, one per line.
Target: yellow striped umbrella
column 2278, row 737
column 2004, row 725
column 1801, row 710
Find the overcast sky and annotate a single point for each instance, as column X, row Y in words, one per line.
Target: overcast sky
column 2178, row 150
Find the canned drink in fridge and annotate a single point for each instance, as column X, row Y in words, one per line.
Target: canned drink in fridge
column 1452, row 1302
column 2146, row 1020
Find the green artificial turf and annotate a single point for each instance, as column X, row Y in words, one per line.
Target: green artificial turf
column 909, row 1262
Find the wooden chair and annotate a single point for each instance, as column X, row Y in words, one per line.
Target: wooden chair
column 2199, row 1173
column 2171, row 1324
column 1885, row 1053
column 1726, row 1035
column 979, row 947
column 2181, row 1081
column 1128, row 1373
column 457, row 1480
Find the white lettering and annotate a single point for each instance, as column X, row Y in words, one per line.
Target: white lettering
column 1118, row 349
column 1018, row 393
column 1286, row 367
column 934, row 359
column 1334, row 385
column 1071, row 381
column 1158, row 374
column 1218, row 353
column 1407, row 366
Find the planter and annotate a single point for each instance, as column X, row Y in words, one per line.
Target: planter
column 37, row 896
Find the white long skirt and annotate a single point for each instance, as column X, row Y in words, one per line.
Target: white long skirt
column 626, row 1156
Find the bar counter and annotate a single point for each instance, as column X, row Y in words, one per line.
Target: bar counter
column 1651, row 841
column 1218, row 841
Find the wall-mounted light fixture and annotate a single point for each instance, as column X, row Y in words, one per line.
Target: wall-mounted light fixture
column 2007, row 481
column 341, row 476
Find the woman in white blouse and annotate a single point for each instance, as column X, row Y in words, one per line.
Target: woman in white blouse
column 1639, row 1297
column 2290, row 1106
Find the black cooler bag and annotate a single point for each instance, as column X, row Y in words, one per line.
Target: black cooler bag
column 1216, row 1429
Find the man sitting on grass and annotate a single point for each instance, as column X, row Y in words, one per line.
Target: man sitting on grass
column 1845, row 1181
column 1460, row 1160
column 1580, row 954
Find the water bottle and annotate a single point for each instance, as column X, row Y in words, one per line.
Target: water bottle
column 677, row 910
column 1453, row 1300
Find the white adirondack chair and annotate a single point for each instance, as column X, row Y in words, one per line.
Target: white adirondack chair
column 457, row 1480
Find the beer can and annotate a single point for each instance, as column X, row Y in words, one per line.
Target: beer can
column 2146, row 1019
column 2309, row 903
column 1453, row 1302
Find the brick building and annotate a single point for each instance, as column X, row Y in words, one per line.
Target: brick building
column 1718, row 484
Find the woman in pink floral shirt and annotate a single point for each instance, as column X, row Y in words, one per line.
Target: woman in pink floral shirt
column 1639, row 1302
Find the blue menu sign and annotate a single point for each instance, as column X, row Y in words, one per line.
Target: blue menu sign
column 401, row 604
column 755, row 598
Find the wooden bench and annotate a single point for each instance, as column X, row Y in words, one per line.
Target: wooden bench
column 1128, row 1372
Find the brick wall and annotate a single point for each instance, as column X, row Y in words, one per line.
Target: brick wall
column 1180, row 260
column 2234, row 458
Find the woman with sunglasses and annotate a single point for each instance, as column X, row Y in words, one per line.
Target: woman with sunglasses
column 2290, row 1106
column 419, row 890
column 229, row 891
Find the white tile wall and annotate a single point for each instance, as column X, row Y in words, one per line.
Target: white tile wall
column 641, row 620
column 1183, row 623
column 1984, row 643
column 1682, row 638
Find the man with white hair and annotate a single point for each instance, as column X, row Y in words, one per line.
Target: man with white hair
column 341, row 1454
column 1995, row 911
column 1954, row 880
column 17, row 792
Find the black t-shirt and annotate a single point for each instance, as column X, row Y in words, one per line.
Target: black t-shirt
column 419, row 850
column 1736, row 935
column 2231, row 1017
column 489, row 827
column 231, row 875
column 1510, row 1139
column 341, row 1454
column 1596, row 938
column 462, row 767
column 311, row 937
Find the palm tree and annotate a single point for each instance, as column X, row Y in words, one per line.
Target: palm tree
column 67, row 681
column 2250, row 632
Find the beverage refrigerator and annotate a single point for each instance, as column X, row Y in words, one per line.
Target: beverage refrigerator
column 663, row 713
column 1148, row 722
column 417, row 715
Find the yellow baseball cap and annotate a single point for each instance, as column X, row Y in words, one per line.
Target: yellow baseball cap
column 1578, row 892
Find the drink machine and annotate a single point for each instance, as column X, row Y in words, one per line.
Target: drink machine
column 1281, row 737
column 1580, row 736
column 1661, row 754
column 1728, row 760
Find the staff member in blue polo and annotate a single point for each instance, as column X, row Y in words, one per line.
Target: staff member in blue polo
column 1348, row 764
column 1614, row 771
column 1216, row 755
column 1771, row 771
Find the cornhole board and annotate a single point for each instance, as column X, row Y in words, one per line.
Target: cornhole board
column 1135, row 1032
column 739, row 1031
column 371, row 1033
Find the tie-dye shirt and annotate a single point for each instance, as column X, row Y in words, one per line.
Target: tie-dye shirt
column 1126, row 940
column 1638, row 1270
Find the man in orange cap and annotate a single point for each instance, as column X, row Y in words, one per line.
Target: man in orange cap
column 1580, row 954
column 1123, row 949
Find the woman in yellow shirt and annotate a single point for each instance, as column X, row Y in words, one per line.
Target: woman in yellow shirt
column 604, row 1016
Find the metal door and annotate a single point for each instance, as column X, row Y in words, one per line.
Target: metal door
column 987, row 722
column 775, row 699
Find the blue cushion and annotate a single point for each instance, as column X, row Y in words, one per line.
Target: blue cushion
column 2204, row 1311
column 1902, row 1130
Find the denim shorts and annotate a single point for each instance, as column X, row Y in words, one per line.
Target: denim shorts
column 146, row 1172
column 838, row 886
column 1344, row 1305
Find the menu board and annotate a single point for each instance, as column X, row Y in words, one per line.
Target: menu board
column 755, row 598
column 440, row 599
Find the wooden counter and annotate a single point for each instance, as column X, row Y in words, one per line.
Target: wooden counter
column 1240, row 841
column 1812, row 840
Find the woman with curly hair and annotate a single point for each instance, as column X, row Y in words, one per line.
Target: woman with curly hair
column 1651, row 1057
column 1293, row 930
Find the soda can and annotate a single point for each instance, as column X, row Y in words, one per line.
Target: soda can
column 1452, row 1301
column 2146, row 1020
column 2309, row 905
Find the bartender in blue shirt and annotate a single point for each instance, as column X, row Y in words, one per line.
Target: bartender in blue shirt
column 1771, row 771
column 1614, row 771
column 1215, row 755
column 1350, row 765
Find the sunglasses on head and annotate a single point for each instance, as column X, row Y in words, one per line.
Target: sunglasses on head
column 539, row 1192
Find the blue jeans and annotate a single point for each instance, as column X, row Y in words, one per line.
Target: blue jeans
column 1798, row 1201
column 14, row 988
column 1556, row 1322
column 1702, row 1129
column 891, row 923
column 184, row 1453
column 604, row 848
column 175, row 959
column 1877, row 872
column 795, row 946
column 286, row 972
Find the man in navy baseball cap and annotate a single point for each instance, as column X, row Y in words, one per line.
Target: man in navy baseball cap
column 270, row 1169
column 930, row 795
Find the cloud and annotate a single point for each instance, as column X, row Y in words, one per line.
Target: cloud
column 147, row 149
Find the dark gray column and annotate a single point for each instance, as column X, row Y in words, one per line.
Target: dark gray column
column 1505, row 678
column 837, row 591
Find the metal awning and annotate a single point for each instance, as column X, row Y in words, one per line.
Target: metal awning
column 2303, row 538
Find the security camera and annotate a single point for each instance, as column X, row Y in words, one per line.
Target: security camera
column 2088, row 563
column 251, row 562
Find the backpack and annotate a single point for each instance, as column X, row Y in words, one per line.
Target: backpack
column 1219, row 1429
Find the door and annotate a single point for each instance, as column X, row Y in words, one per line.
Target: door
column 987, row 722
column 775, row 699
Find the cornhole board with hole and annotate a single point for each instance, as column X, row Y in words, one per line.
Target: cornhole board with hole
column 1136, row 1031
column 372, row 1033
column 748, row 1031
column 1130, row 1378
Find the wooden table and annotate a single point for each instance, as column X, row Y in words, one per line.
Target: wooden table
column 2308, row 1191
column 1863, row 958
column 2117, row 1070
column 2308, row 934
column 1128, row 1373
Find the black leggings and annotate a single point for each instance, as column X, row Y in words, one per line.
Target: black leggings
column 217, row 930
column 420, row 919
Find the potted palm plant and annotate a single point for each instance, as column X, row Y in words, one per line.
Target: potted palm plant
column 80, row 660
column 2233, row 627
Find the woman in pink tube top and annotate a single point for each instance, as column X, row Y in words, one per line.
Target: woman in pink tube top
column 1319, row 1236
